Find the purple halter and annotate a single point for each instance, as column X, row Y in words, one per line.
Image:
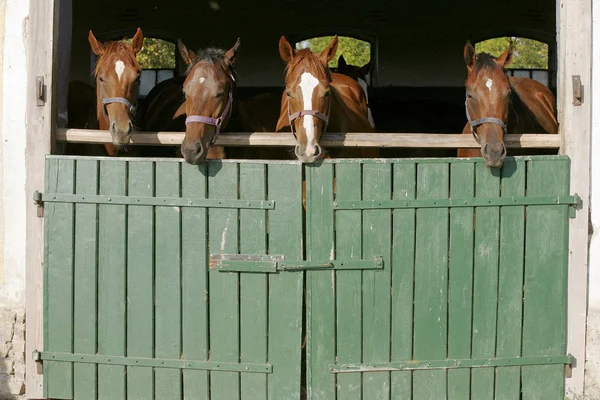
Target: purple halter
column 212, row 121
column 318, row 114
column 109, row 100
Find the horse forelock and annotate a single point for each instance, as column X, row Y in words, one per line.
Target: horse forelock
column 121, row 49
column 215, row 56
column 307, row 59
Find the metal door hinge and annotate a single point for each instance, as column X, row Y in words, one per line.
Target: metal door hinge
column 37, row 199
column 577, row 90
column 40, row 90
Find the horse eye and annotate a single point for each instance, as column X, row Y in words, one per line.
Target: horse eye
column 101, row 79
column 327, row 93
column 220, row 94
column 288, row 94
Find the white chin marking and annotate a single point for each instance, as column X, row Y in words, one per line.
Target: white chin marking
column 489, row 84
column 202, row 80
column 307, row 84
column 119, row 69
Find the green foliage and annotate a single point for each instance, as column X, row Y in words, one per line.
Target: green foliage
column 529, row 54
column 156, row 54
column 356, row 52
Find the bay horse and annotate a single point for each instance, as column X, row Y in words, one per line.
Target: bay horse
column 496, row 105
column 360, row 75
column 117, row 74
column 315, row 99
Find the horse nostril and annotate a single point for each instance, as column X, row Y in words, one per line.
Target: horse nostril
column 318, row 152
column 129, row 128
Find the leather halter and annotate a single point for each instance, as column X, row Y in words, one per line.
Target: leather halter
column 481, row 121
column 216, row 122
column 314, row 113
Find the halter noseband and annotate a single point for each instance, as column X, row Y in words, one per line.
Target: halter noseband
column 109, row 100
column 314, row 113
column 216, row 122
column 481, row 121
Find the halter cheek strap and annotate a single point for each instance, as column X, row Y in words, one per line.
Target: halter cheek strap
column 481, row 121
column 216, row 122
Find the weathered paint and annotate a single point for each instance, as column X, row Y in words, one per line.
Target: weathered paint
column 592, row 365
column 12, row 153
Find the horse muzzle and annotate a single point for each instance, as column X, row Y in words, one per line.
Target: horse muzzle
column 308, row 154
column 494, row 154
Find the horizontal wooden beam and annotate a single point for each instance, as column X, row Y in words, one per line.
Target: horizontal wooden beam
column 286, row 139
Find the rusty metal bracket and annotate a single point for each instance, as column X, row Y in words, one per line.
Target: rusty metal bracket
column 577, row 90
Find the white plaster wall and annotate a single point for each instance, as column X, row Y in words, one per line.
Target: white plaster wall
column 592, row 379
column 12, row 133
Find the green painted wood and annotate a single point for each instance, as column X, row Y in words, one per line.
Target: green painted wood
column 320, row 293
column 140, row 280
column 376, row 184
column 431, row 281
column 403, row 266
column 544, row 308
column 112, row 280
column 460, row 280
column 510, row 281
column 285, row 289
column 58, row 321
column 167, row 285
column 485, row 280
column 253, row 287
column 85, row 279
column 348, row 225
column 224, row 290
column 194, row 282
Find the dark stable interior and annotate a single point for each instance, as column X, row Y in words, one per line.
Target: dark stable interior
column 418, row 73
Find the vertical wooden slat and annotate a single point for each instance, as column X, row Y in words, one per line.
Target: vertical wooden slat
column 403, row 266
column 431, row 281
column 58, row 321
column 510, row 280
column 348, row 244
column 253, row 287
column 485, row 280
column 140, row 280
column 167, row 303
column 86, row 245
column 320, row 291
column 544, row 309
column 194, row 283
column 376, row 184
column 285, row 289
column 224, row 295
column 460, row 280
column 112, row 279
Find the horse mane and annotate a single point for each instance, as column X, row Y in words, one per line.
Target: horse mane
column 216, row 56
column 118, row 47
column 310, row 60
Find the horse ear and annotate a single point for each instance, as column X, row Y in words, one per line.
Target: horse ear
column 329, row 52
column 506, row 58
column 137, row 42
column 342, row 62
column 365, row 69
column 469, row 54
column 232, row 53
column 285, row 50
column 180, row 111
column 97, row 47
column 188, row 56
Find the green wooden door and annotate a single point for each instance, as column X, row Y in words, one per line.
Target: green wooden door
column 424, row 279
column 134, row 308
column 471, row 300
